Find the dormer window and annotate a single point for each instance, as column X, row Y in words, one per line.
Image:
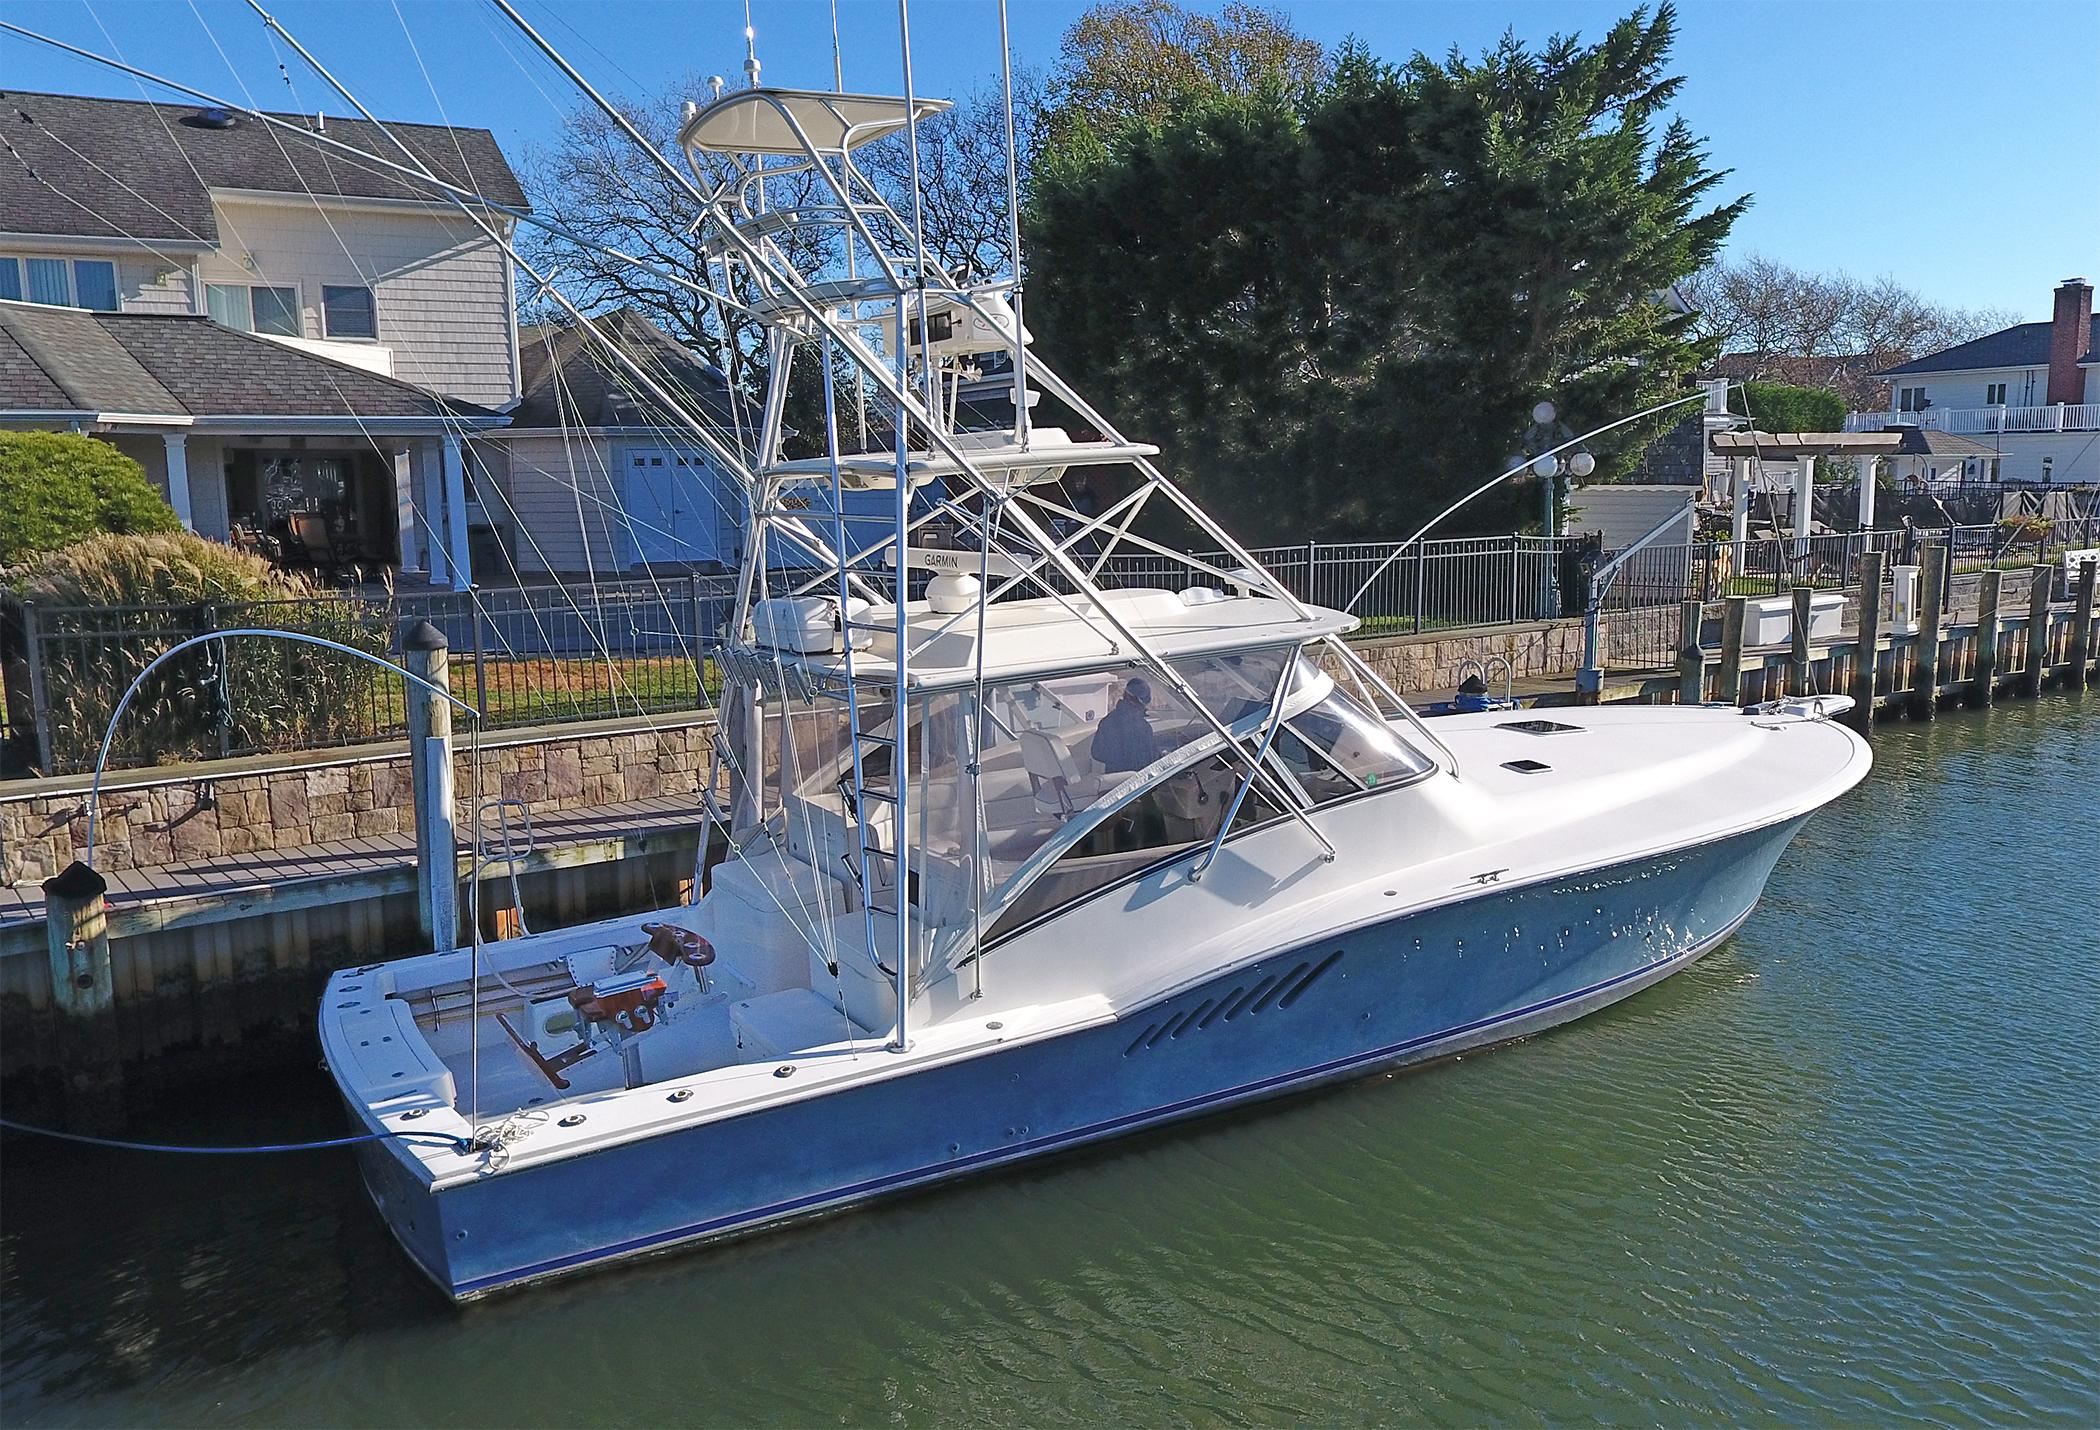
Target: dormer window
column 348, row 312
column 60, row 282
column 274, row 311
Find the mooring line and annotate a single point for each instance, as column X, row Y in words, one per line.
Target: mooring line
column 461, row 1145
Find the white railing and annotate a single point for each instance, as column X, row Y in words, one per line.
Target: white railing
column 1972, row 421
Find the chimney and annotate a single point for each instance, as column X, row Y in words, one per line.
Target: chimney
column 2070, row 332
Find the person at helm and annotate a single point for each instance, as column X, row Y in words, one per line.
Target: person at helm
column 1124, row 740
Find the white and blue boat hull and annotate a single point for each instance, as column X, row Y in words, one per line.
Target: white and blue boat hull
column 1485, row 968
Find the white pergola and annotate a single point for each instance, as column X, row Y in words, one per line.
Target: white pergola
column 1917, row 452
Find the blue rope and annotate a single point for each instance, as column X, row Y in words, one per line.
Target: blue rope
column 458, row 1144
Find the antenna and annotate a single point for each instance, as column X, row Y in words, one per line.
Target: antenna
column 750, row 49
column 838, row 65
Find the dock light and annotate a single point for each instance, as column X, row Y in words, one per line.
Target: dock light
column 1581, row 464
column 1543, row 413
column 1544, row 467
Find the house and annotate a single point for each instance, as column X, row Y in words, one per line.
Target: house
column 594, row 474
column 251, row 441
column 274, row 328
column 2030, row 393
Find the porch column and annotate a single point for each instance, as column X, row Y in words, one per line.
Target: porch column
column 430, row 495
column 178, row 445
column 454, row 472
column 1740, row 532
column 405, row 509
column 1804, row 502
column 1866, row 492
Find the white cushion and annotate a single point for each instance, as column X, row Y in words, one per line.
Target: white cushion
column 781, row 1025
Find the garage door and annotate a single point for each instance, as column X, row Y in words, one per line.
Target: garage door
column 672, row 500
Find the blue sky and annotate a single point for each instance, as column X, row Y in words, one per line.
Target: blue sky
column 1953, row 146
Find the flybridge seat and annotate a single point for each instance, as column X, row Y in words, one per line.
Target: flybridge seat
column 1049, row 452
column 786, row 220
column 779, row 121
column 831, row 295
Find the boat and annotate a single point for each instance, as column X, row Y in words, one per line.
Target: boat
column 1011, row 857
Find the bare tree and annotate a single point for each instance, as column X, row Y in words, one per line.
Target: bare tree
column 962, row 175
column 598, row 184
column 1766, row 312
column 1142, row 59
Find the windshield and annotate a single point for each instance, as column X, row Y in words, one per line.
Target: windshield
column 1102, row 765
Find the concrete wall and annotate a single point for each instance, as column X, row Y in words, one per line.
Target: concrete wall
column 1426, row 666
column 441, row 288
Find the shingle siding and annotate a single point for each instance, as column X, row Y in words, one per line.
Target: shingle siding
column 444, row 304
column 154, row 288
column 547, row 478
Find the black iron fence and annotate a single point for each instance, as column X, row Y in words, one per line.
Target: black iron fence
column 559, row 652
column 522, row 656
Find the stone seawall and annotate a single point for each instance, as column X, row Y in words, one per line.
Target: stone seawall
column 174, row 813
column 1427, row 665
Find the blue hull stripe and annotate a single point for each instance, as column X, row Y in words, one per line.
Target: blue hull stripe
column 1094, row 1132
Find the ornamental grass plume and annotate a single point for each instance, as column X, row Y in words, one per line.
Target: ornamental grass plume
column 108, row 605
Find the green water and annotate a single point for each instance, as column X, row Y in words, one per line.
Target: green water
column 1845, row 1169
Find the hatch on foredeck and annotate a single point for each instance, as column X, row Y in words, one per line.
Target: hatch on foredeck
column 794, row 121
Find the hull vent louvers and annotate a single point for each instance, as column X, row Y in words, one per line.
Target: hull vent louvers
column 1277, row 991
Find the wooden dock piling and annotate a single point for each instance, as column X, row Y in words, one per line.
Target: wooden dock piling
column 1987, row 636
column 430, row 770
column 83, row 989
column 2038, row 583
column 1925, row 659
column 1691, row 656
column 1733, row 616
column 2082, row 628
column 1866, row 659
column 1802, row 675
